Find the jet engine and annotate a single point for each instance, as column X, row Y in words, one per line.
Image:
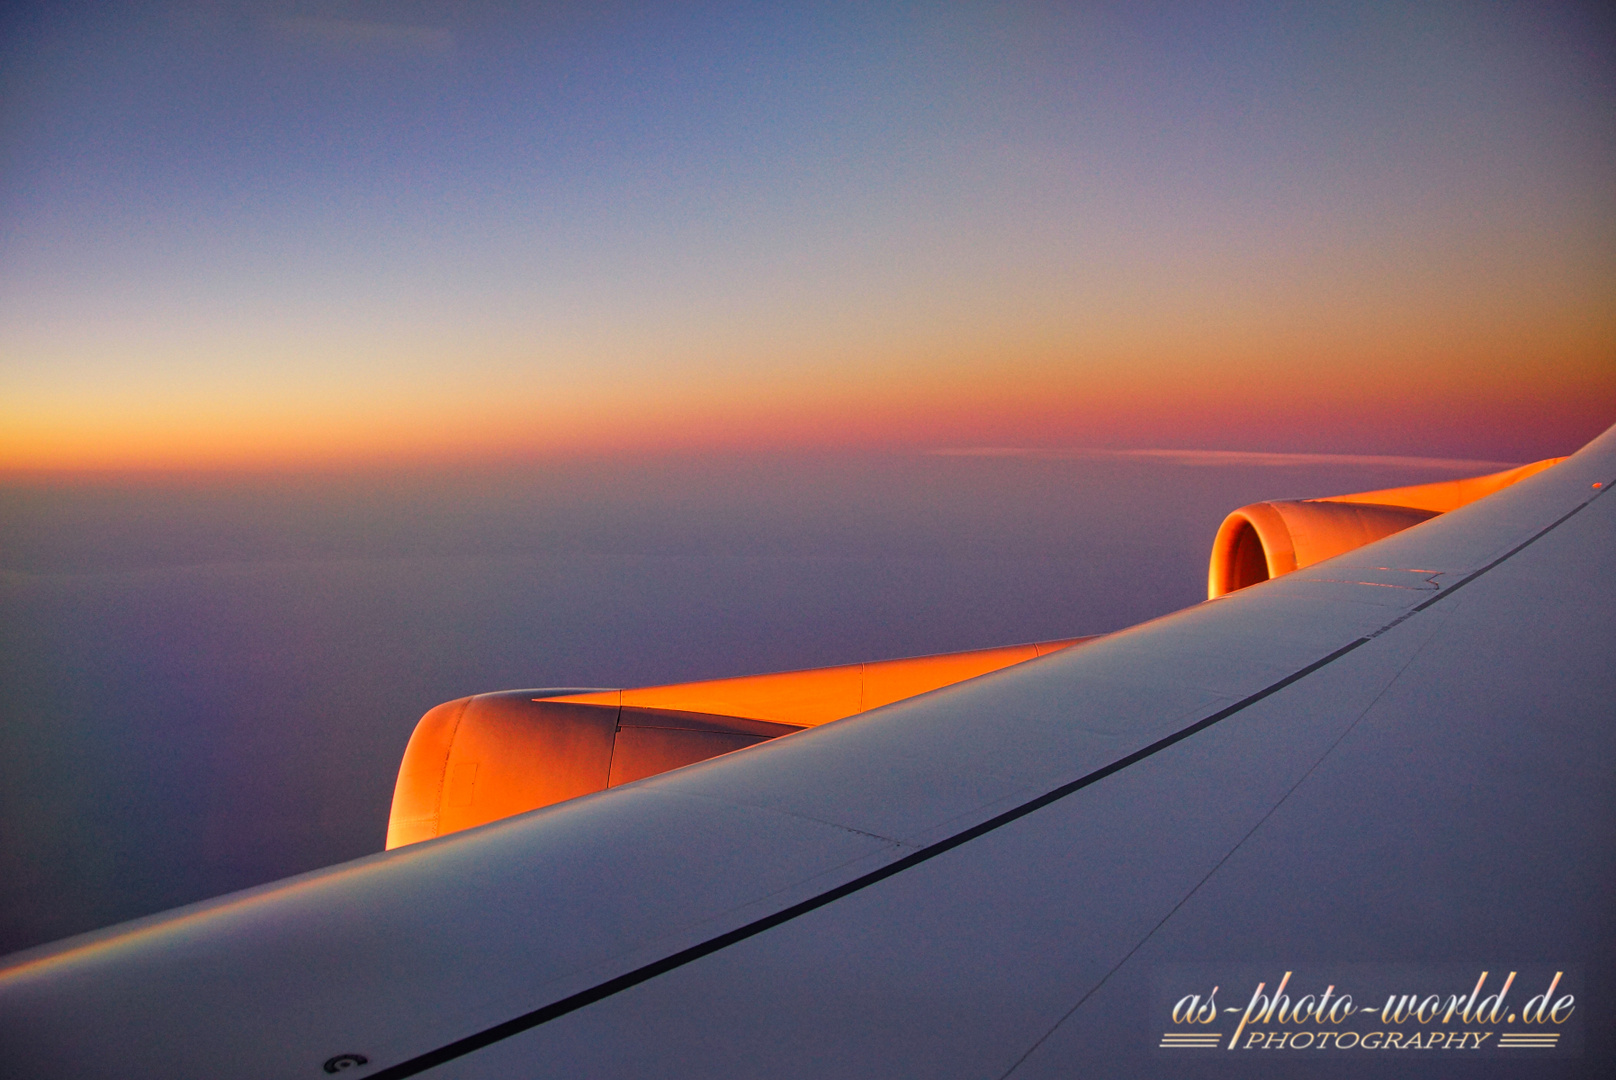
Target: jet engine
column 486, row 757
column 481, row 758
column 1267, row 539
column 490, row 756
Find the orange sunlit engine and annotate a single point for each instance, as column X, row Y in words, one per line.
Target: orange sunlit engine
column 486, row 757
column 489, row 756
column 1267, row 539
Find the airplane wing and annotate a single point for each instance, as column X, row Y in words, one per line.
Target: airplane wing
column 1386, row 773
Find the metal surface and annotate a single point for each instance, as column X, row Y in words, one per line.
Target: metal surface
column 1400, row 755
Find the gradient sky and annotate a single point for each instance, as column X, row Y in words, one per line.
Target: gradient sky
column 289, row 234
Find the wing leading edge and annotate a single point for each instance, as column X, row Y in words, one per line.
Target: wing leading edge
column 1396, row 755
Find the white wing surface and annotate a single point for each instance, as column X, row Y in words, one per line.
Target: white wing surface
column 1400, row 759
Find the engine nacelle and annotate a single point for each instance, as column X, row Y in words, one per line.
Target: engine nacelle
column 482, row 758
column 1267, row 539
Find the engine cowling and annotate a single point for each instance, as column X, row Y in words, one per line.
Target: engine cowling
column 1267, row 539
column 490, row 756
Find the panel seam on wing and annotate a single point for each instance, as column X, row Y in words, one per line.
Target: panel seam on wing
column 733, row 805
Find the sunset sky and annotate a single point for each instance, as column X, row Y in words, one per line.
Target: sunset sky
column 358, row 356
column 325, row 234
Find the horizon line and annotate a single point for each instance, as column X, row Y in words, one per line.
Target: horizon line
column 1212, row 458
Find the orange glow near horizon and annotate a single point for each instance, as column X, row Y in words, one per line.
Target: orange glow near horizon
column 1314, row 402
column 1227, row 229
column 1454, row 399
